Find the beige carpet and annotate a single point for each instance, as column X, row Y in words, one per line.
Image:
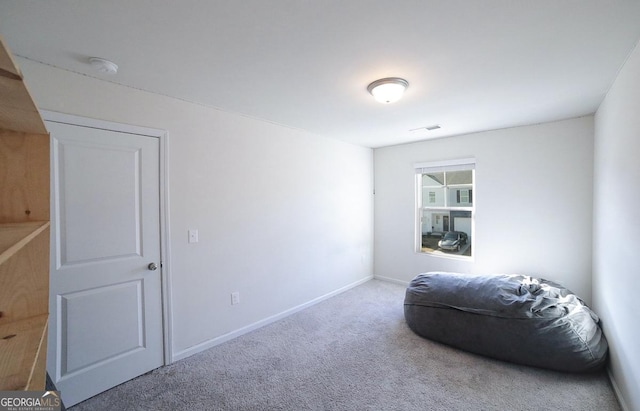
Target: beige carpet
column 351, row 352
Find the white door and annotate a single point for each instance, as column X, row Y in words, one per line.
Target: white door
column 106, row 302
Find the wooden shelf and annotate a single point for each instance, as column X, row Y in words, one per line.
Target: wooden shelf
column 14, row 236
column 24, row 233
column 18, row 112
column 23, row 345
column 24, row 270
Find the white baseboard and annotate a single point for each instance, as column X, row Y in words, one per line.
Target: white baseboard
column 237, row 333
column 391, row 280
column 616, row 390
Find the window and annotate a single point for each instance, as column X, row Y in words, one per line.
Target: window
column 464, row 196
column 445, row 209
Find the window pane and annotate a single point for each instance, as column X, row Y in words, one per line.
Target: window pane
column 431, row 226
column 432, row 196
column 461, row 196
column 433, row 179
column 459, row 177
column 446, row 232
column 446, row 211
column 435, row 221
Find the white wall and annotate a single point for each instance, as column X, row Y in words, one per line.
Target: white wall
column 284, row 217
column 533, row 200
column 616, row 223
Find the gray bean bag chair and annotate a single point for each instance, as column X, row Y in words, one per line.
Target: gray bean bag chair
column 513, row 318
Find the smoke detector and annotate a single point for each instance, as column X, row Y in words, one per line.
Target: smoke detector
column 103, row 65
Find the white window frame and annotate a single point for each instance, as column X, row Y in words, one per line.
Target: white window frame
column 441, row 166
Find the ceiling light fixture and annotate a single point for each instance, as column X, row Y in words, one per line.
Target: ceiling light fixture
column 388, row 90
column 103, row 66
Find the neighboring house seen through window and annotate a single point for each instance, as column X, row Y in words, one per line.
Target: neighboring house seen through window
column 445, row 210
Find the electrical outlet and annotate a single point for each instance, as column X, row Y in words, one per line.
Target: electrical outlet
column 235, row 298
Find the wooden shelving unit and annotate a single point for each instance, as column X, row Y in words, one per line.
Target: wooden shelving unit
column 24, row 233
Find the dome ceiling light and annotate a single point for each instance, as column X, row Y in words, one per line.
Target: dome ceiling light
column 388, row 90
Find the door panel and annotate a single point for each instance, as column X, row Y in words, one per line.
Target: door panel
column 106, row 304
column 107, row 181
column 110, row 317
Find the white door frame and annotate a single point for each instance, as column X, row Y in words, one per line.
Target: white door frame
column 165, row 251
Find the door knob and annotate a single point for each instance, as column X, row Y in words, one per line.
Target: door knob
column 152, row 266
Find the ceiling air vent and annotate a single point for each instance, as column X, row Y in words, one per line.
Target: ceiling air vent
column 427, row 128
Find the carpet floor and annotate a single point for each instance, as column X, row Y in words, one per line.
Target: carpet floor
column 353, row 351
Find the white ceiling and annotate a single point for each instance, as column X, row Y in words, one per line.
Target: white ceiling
column 472, row 64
